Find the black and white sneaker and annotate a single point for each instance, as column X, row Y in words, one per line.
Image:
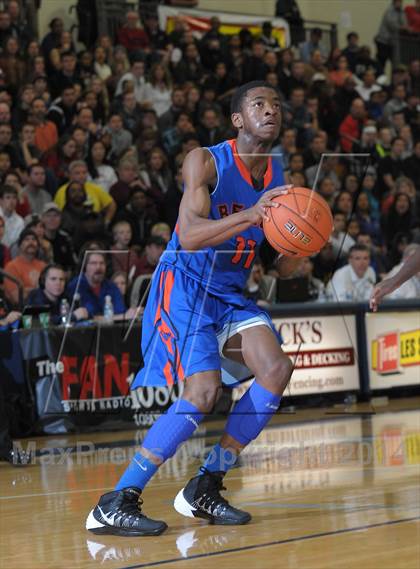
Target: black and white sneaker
column 119, row 513
column 201, row 499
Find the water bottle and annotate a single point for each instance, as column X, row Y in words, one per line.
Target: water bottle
column 76, row 301
column 108, row 310
column 64, row 312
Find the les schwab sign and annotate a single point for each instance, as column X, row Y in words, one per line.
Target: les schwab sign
column 394, row 349
column 323, row 350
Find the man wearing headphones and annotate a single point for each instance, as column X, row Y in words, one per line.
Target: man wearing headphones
column 52, row 283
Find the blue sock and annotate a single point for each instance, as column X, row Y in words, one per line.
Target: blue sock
column 138, row 473
column 252, row 413
column 219, row 460
column 162, row 440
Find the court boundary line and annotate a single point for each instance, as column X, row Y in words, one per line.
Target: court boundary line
column 271, row 543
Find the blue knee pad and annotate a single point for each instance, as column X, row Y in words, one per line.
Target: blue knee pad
column 252, row 413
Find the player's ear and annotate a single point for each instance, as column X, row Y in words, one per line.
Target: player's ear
column 237, row 120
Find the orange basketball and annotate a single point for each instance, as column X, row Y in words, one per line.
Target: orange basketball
column 301, row 225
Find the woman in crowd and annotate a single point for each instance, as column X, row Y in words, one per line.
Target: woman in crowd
column 367, row 223
column 100, row 65
column 399, row 219
column 12, row 64
column 157, row 175
column 341, row 71
column 100, row 172
column 58, row 159
column 344, row 203
column 157, row 91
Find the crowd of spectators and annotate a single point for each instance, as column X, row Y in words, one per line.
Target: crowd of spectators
column 92, row 142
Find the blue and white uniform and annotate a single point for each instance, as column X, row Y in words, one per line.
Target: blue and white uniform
column 196, row 299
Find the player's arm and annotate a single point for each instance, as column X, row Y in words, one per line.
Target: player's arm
column 196, row 231
column 410, row 267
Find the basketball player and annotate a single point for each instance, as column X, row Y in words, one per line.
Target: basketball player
column 196, row 312
column 410, row 267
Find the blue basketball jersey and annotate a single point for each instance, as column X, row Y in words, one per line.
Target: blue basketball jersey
column 224, row 269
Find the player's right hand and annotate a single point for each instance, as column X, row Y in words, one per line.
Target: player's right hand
column 258, row 213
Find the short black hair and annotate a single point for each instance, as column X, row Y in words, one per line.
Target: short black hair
column 358, row 247
column 44, row 273
column 8, row 190
column 241, row 92
column 27, row 233
column 33, row 166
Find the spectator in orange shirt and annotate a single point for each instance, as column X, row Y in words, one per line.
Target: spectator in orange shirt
column 25, row 267
column 46, row 135
column 341, row 71
column 351, row 128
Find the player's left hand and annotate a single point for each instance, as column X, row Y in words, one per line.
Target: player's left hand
column 381, row 289
column 258, row 211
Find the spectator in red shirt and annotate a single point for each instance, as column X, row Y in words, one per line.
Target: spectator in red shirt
column 351, row 127
column 412, row 13
column 131, row 35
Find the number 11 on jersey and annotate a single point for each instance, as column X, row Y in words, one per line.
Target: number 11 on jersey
column 245, row 248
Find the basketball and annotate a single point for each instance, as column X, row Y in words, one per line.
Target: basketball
column 301, row 225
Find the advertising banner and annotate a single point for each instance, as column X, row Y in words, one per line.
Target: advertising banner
column 393, row 349
column 324, row 352
column 85, row 373
column 198, row 21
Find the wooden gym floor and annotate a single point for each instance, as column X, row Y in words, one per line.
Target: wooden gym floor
column 328, row 489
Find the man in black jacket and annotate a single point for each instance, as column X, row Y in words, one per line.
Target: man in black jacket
column 63, row 110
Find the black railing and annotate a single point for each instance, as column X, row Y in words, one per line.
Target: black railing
column 329, row 40
column 407, row 48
